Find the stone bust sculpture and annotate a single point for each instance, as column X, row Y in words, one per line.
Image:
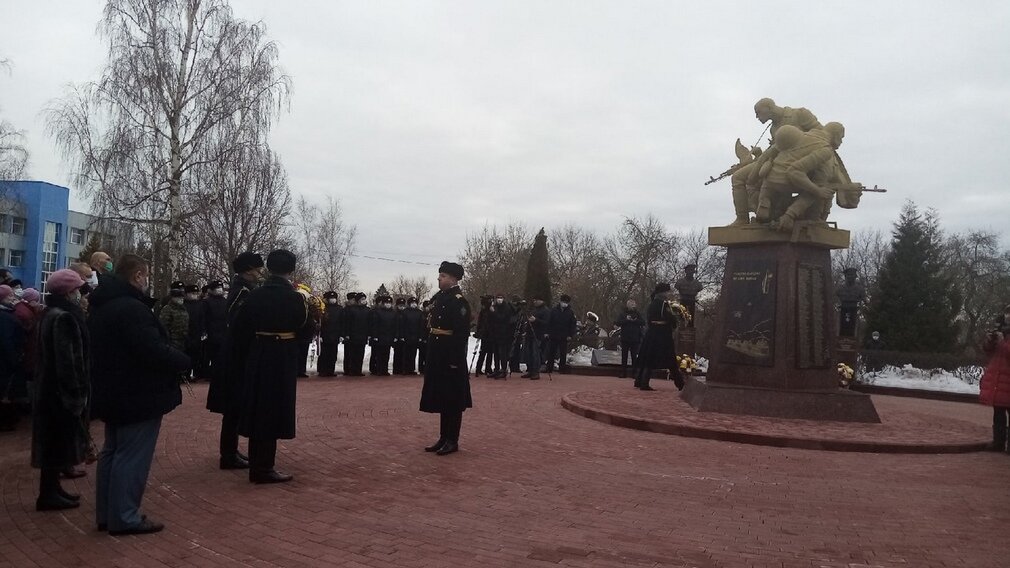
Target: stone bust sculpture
column 851, row 293
column 688, row 288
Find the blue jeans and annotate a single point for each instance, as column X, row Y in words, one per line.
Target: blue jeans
column 123, row 466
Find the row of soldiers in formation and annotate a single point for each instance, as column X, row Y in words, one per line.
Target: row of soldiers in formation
column 196, row 321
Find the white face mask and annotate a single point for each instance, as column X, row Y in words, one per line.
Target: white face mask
column 75, row 297
column 177, row 300
column 93, row 279
column 414, row 306
column 388, row 305
column 19, row 292
column 217, row 292
column 564, row 304
column 331, row 301
column 499, row 301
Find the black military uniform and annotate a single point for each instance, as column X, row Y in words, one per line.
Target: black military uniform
column 657, row 347
column 195, row 335
column 265, row 337
column 215, row 317
column 422, row 348
column 446, row 389
column 485, row 361
column 632, row 327
column 561, row 328
column 330, row 332
column 307, row 333
column 501, row 328
column 356, row 328
column 409, row 324
column 225, row 393
column 383, row 331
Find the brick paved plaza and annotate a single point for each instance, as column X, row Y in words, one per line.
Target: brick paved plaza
column 535, row 485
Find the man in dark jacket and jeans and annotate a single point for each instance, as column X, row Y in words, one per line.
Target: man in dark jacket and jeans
column 135, row 381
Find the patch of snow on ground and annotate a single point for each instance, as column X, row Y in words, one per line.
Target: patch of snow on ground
column 909, row 377
column 582, row 356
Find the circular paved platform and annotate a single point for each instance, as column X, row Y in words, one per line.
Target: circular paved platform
column 534, row 485
column 907, row 426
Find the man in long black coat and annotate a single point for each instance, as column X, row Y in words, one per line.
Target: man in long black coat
column 356, row 328
column 215, row 320
column 225, row 393
column 561, row 329
column 657, row 347
column 446, row 389
column 265, row 332
column 195, row 334
column 330, row 331
column 383, row 331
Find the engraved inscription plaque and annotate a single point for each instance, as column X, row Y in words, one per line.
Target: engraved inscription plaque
column 812, row 333
column 749, row 321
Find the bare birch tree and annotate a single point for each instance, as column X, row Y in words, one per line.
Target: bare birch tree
column 324, row 242
column 13, row 154
column 178, row 73
column 406, row 287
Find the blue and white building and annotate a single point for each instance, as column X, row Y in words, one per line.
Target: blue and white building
column 39, row 234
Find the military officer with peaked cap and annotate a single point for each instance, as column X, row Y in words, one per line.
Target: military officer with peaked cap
column 265, row 339
column 446, row 389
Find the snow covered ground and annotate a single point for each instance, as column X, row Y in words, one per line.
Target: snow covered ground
column 908, row 377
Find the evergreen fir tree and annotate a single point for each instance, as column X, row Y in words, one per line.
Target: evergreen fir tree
column 380, row 292
column 915, row 302
column 538, row 281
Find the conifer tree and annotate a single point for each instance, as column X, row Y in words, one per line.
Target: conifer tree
column 538, row 281
column 915, row 303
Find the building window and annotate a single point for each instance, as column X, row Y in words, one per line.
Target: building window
column 18, row 225
column 76, row 236
column 50, row 249
column 16, row 258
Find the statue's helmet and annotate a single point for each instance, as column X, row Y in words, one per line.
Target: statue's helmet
column 787, row 137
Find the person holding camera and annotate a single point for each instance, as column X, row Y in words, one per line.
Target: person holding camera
column 995, row 388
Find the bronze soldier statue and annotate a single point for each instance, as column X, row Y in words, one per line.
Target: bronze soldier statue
column 446, row 389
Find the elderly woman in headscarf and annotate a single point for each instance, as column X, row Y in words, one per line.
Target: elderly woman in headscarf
column 59, row 429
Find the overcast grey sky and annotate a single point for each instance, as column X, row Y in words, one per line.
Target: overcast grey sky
column 429, row 119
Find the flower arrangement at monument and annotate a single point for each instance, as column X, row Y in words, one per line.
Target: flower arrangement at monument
column 680, row 310
column 845, row 375
column 686, row 364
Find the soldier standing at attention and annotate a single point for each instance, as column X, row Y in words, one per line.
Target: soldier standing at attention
column 330, row 332
column 265, row 332
column 194, row 335
column 225, row 393
column 422, row 348
column 216, row 321
column 446, row 389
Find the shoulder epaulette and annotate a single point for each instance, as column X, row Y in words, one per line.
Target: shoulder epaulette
column 460, row 296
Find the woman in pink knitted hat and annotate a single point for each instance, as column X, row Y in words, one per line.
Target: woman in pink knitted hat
column 60, row 426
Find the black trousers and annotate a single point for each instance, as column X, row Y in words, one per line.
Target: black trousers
column 404, row 354
column 195, row 350
column 629, row 351
column 557, row 347
column 501, row 356
column 999, row 424
column 450, row 424
column 211, row 356
column 379, row 362
column 422, row 354
column 262, row 454
column 354, row 357
column 327, row 364
column 303, row 352
column 228, row 444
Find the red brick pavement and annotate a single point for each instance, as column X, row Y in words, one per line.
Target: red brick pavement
column 535, row 485
column 906, row 425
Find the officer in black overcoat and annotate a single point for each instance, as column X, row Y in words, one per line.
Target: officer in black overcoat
column 225, row 393
column 446, row 389
column 330, row 332
column 197, row 328
column 501, row 328
column 657, row 346
column 561, row 328
column 356, row 328
column 423, row 332
column 383, row 331
column 215, row 317
column 408, row 332
column 398, row 351
column 265, row 332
